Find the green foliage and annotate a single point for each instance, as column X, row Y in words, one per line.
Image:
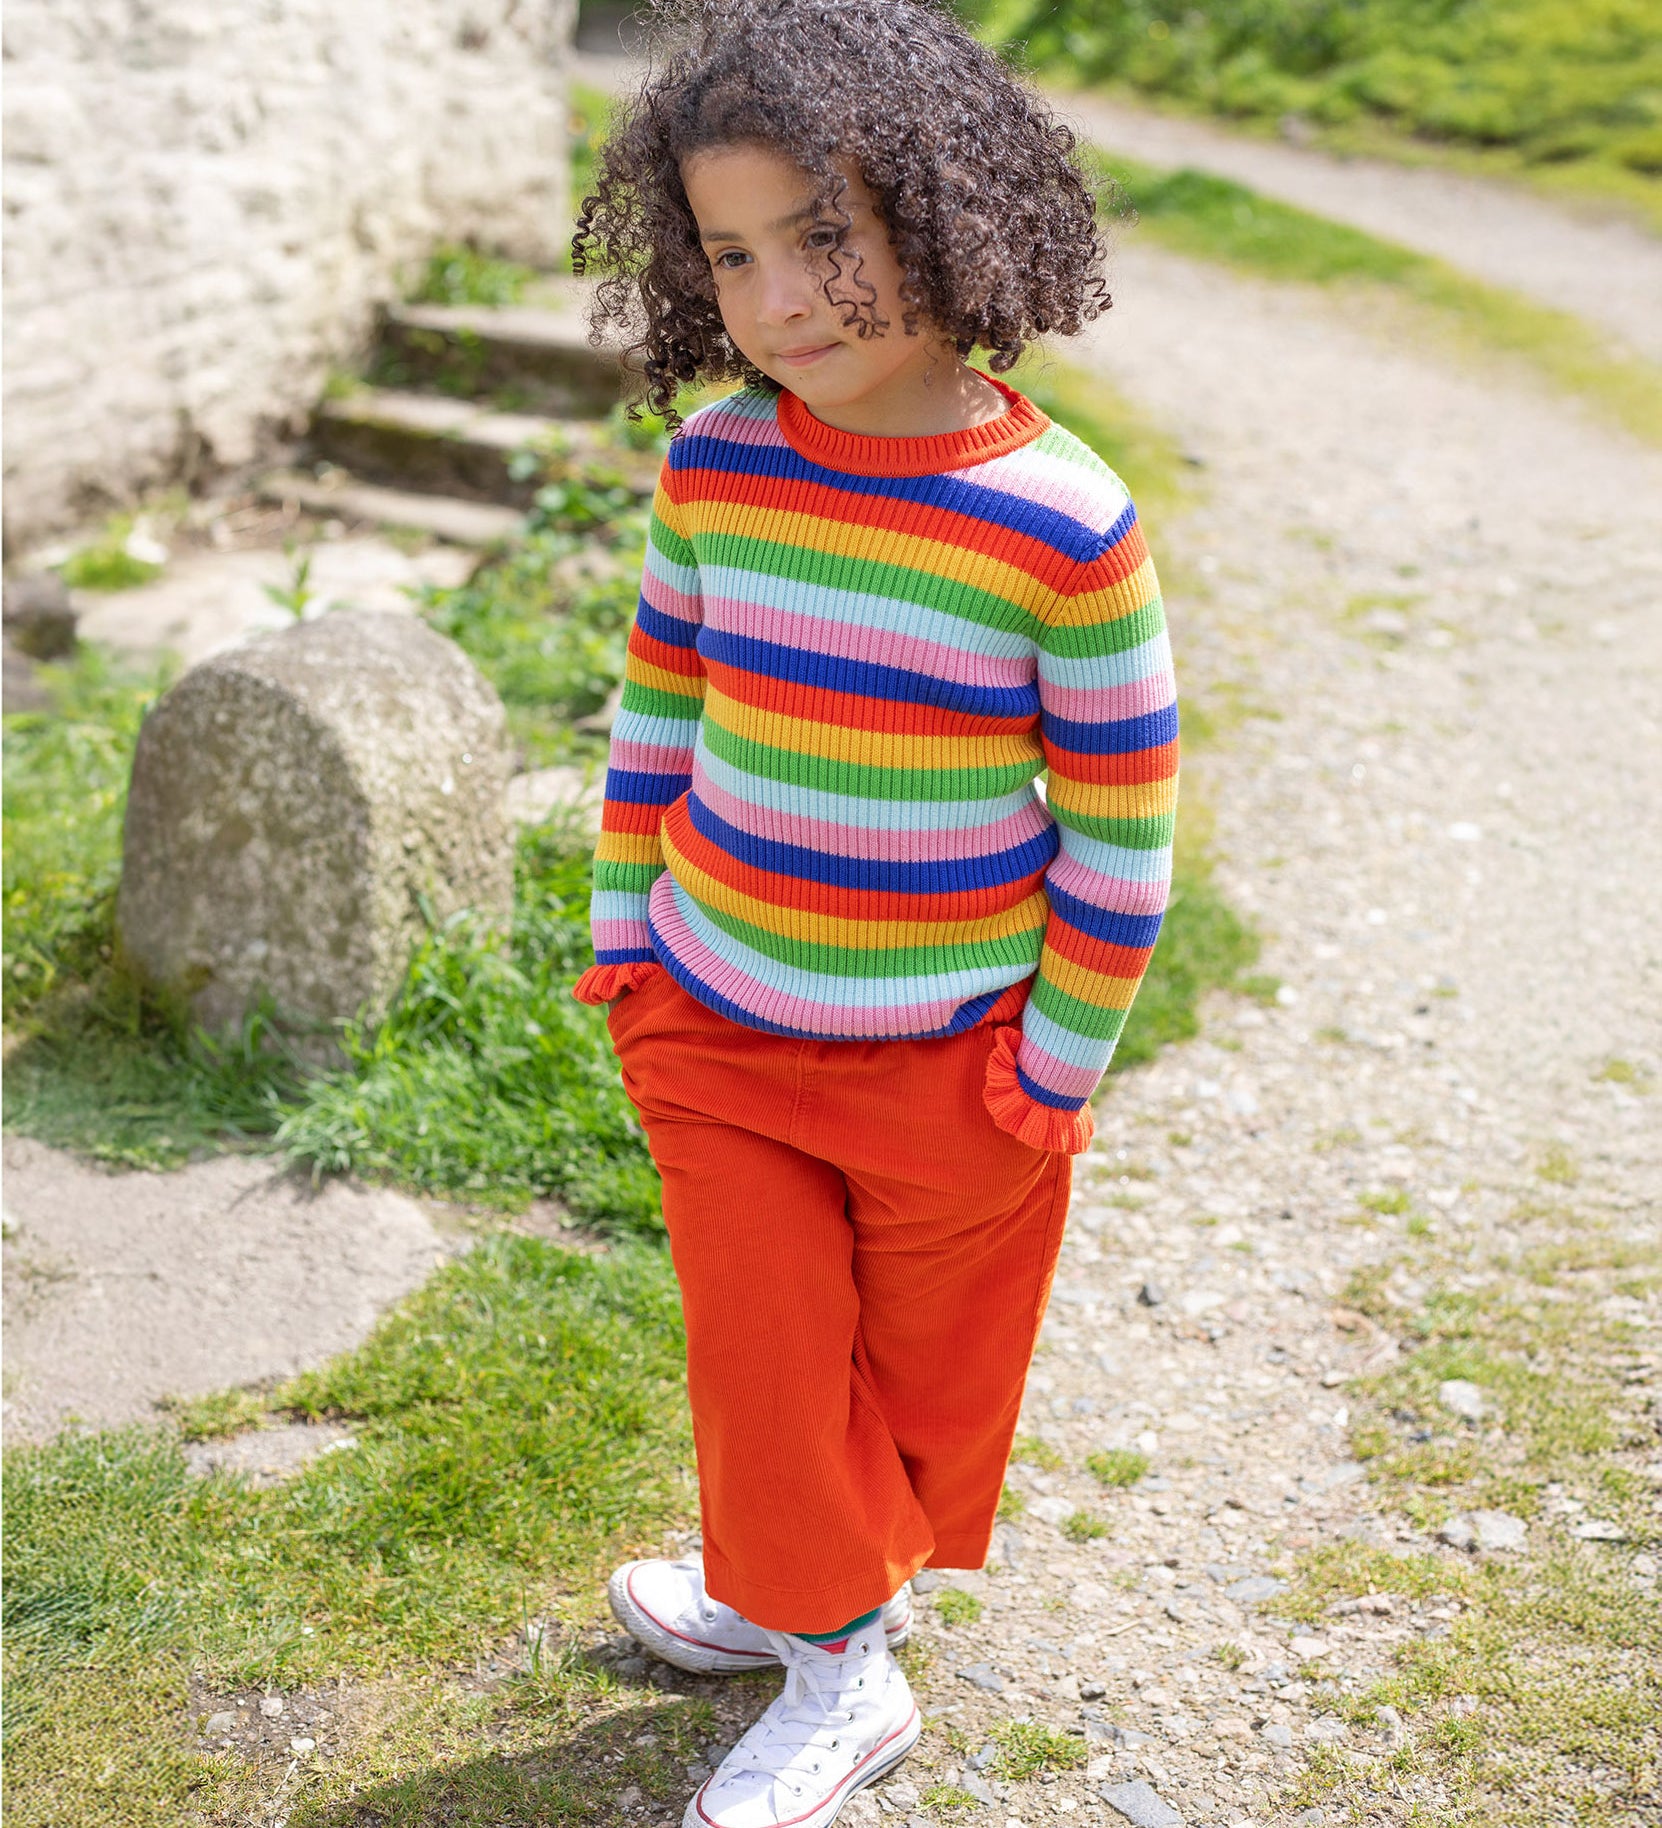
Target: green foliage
column 1011, row 1504
column 485, row 1081
column 1028, row 1747
column 956, row 1607
column 460, row 275
column 1117, row 1466
column 1036, row 1452
column 1083, row 1526
column 517, row 1420
column 108, row 565
column 1557, row 79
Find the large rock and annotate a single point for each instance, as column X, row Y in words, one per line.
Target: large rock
column 298, row 806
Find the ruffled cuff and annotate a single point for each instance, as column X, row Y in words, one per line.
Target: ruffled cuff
column 1040, row 1126
column 600, row 983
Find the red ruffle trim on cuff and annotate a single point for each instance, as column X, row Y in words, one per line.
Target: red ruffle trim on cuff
column 1040, row 1126
column 600, row 983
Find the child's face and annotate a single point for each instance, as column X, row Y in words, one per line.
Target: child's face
column 771, row 255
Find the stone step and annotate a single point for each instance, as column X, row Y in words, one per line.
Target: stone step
column 338, row 492
column 435, row 444
column 538, row 357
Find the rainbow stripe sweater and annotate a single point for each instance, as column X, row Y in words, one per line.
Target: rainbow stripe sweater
column 853, row 661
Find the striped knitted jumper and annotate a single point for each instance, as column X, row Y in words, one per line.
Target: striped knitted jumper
column 853, row 660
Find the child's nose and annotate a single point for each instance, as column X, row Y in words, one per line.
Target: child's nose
column 786, row 294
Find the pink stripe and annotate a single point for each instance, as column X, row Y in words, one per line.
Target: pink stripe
column 1103, row 704
column 734, row 428
column 667, row 600
column 1123, row 894
column 858, row 841
column 874, row 646
column 649, row 758
column 828, row 1020
column 1056, row 1075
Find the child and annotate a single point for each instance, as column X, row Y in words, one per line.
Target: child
column 862, row 983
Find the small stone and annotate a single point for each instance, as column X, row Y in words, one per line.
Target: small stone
column 1054, row 1511
column 1100, row 1768
column 900, row 1795
column 216, row 1726
column 1141, row 1805
column 926, row 1580
column 1091, row 1691
column 1254, row 1589
column 1198, row 1301
column 984, row 1757
column 1644, row 1566
column 39, row 617
column 974, row 1784
column 272, row 1706
column 1308, row 1649
column 983, row 1675
column 1328, row 1729
column 1151, row 1295
column 1463, row 1399
column 300, row 1747
column 1277, row 1734
column 1493, row 1531
column 1309, row 1818
column 1598, row 1529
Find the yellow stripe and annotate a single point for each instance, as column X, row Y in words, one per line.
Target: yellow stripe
column 867, row 748
column 628, row 847
column 661, row 679
column 880, row 545
column 1101, row 988
column 1098, row 800
column 1110, row 603
column 863, row 935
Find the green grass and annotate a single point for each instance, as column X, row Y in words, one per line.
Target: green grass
column 1117, row 1466
column 459, row 275
column 1554, row 82
column 1083, row 1527
column 956, row 1607
column 1216, row 219
column 1026, row 1748
column 519, row 1420
column 1559, row 1646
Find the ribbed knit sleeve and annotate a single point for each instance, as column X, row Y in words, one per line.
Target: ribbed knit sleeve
column 1108, row 722
column 650, row 764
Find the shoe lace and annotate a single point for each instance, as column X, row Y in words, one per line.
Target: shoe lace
column 803, row 1719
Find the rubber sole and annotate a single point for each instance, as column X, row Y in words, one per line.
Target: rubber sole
column 694, row 1654
column 882, row 1761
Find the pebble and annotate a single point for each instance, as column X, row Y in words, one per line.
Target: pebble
column 1493, row 1531
column 1328, row 1729
column 1463, row 1399
column 1278, row 1734
column 1598, row 1529
column 1151, row 1295
column 272, row 1706
column 983, row 1675
column 300, row 1747
column 1254, row 1588
column 972, row 1783
column 1141, row 1805
column 217, row 1725
column 1308, row 1649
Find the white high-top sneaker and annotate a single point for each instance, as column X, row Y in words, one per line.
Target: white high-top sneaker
column 845, row 1717
column 663, row 1605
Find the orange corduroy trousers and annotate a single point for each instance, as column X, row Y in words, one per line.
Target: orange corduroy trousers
column 864, row 1260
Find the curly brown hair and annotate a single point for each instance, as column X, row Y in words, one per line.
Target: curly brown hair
column 991, row 218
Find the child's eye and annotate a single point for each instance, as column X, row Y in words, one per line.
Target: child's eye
column 821, row 240
column 730, row 260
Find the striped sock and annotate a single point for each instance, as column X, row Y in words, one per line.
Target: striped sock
column 835, row 1640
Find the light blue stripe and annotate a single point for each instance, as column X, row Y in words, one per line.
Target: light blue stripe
column 666, row 732
column 1088, row 1051
column 1116, row 859
column 867, row 814
column 858, row 609
column 618, row 904
column 661, row 566
column 854, row 992
column 1139, row 662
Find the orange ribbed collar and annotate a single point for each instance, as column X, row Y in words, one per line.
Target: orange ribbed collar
column 859, row 454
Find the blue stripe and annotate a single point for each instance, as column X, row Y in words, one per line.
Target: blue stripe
column 945, row 876
column 1134, row 930
column 975, row 501
column 673, row 631
column 1043, row 1095
column 866, row 679
column 629, row 955
column 633, row 788
column 1116, row 736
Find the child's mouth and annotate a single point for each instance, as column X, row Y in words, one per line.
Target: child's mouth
column 805, row 358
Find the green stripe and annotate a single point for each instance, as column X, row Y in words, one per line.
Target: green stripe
column 654, row 703
column 1092, row 640
column 1150, row 834
column 1080, row 1018
column 674, row 546
column 869, row 577
column 862, row 781
column 1020, row 949
column 626, row 878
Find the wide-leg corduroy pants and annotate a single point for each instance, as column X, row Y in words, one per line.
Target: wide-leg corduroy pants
column 864, row 1260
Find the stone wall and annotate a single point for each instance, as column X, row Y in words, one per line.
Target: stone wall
column 205, row 199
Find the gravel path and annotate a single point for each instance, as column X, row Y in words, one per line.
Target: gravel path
column 1438, row 819
column 1606, row 271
